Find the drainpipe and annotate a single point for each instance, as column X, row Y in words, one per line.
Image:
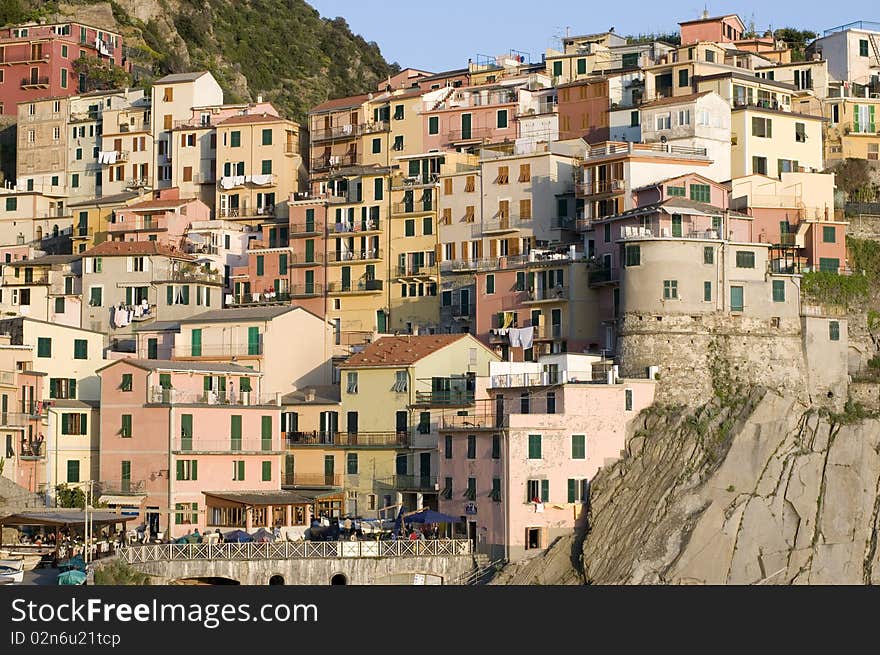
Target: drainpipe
column 171, row 467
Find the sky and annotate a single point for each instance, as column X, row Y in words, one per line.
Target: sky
column 442, row 35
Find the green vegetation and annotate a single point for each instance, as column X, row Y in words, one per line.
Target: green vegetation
column 853, row 177
column 101, row 75
column 853, row 412
column 118, row 572
column 829, row 288
column 672, row 38
column 795, row 39
column 66, row 496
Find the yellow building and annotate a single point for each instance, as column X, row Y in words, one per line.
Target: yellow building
column 91, row 218
column 259, row 166
column 388, row 393
column 400, row 111
column 851, row 129
column 771, row 142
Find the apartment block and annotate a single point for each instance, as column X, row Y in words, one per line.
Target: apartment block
column 165, row 219
column 47, row 288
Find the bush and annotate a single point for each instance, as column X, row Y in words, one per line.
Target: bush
column 833, row 289
column 118, row 572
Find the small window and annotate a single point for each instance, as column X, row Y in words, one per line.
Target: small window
column 352, row 382
column 708, row 255
column 578, row 446
column 502, row 119
column 534, row 446
column 633, row 255
column 628, row 399
column 125, row 428
column 351, row 463
column 829, row 234
column 496, row 446
column 490, row 284
column 683, row 77
column 127, row 382
column 448, row 447
column 707, row 291
column 745, row 259
column 800, row 132
column 267, row 136
column 701, row 192
column 44, row 347
column 863, row 47
column 834, row 330
column 676, row 191
column 401, row 382
column 434, row 125
column 778, row 290
column 670, row 289
column 472, row 446
column 80, row 349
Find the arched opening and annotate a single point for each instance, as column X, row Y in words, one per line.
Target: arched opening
column 39, row 233
column 54, row 231
column 338, row 579
column 276, row 580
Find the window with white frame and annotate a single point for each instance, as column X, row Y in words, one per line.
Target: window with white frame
column 684, row 117
column 703, row 117
column 664, row 121
column 401, row 382
column 352, row 382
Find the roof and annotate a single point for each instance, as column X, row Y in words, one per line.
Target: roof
column 341, row 103
column 240, row 314
column 675, row 177
column 64, row 517
column 252, row 118
column 124, row 248
column 169, row 203
column 180, row 77
column 711, row 18
column 443, row 75
column 327, row 394
column 117, row 198
column 742, row 76
column 45, row 260
column 10, row 319
column 676, row 100
column 400, row 351
column 195, row 367
column 158, row 326
column 261, row 497
column 75, row 404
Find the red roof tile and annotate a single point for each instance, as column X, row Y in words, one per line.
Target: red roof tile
column 400, row 351
column 159, row 204
column 124, row 248
column 252, row 118
column 341, row 103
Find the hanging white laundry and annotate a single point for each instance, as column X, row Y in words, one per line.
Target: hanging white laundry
column 526, row 336
column 513, row 335
column 138, row 311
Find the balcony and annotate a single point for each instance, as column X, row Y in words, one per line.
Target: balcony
column 347, row 439
column 638, row 149
column 358, row 227
column 113, row 157
column 297, row 479
column 601, row 276
column 411, row 270
column 496, row 225
column 415, row 483
column 25, row 279
column 301, row 259
column 547, row 332
column 138, row 223
column 137, row 183
column 32, row 450
column 221, row 351
column 163, row 396
column 598, row 187
column 305, row 229
column 326, row 162
column 563, row 223
column 370, row 254
column 224, row 446
column 260, row 299
column 227, row 182
column 481, row 418
column 399, row 183
column 187, row 274
column 361, row 286
column 452, row 397
column 119, row 487
column 473, row 134
column 345, row 132
column 35, row 82
column 404, row 208
column 543, row 379
column 558, row 293
column 306, row 290
column 245, row 211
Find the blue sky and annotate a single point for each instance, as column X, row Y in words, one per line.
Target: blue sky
column 443, row 35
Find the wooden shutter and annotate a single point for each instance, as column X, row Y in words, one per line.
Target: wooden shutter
column 438, row 252
column 447, row 186
column 464, row 250
column 513, row 246
column 480, row 249
column 493, row 249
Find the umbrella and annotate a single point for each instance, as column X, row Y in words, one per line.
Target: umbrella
column 75, row 563
column 263, row 535
column 237, row 536
column 430, row 516
column 72, row 577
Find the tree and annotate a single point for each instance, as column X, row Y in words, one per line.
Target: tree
column 795, row 39
column 66, row 496
column 12, row 12
column 853, row 176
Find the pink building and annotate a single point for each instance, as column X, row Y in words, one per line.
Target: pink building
column 517, row 467
column 267, row 277
column 168, row 435
column 22, row 419
column 165, row 219
column 717, row 29
column 38, row 60
column 466, row 117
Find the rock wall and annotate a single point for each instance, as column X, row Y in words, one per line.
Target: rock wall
column 867, row 394
column 863, row 226
column 762, row 490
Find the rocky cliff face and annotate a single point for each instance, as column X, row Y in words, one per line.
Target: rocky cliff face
column 762, row 490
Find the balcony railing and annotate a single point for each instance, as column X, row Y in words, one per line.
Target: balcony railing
column 326, row 162
column 227, row 445
column 119, row 487
column 554, row 294
column 475, row 133
column 163, row 396
column 643, row 148
column 444, row 397
column 306, row 290
column 543, row 379
column 410, row 181
column 349, row 439
column 415, row 207
column 32, row 450
column 24, row 279
column 458, row 310
column 411, row 270
column 415, row 482
column 479, row 419
column 245, row 211
column 224, row 350
column 358, row 286
column 369, row 254
column 300, row 229
column 599, row 186
column 270, row 298
column 602, row 276
column 348, row 131
column 187, row 275
column 312, row 479
column 370, row 225
column 34, row 82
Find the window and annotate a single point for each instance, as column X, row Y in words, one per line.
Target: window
column 525, row 209
column 377, row 146
column 80, row 348
column 762, row 127
column 238, row 470
column 524, row 403
column 863, row 47
column 127, row 382
column 378, row 188
column 44, row 347
column 578, row 446
column 607, row 232
column 76, row 424
column 538, row 491
column 670, row 289
column 59, row 305
column 267, row 136
column 490, row 284
column 759, row 165
column 628, row 399
column 502, row 175
column 235, row 139
column 424, row 426
column 800, row 132
column 683, row 77
column 234, row 431
column 472, row 446
column 125, row 428
column 266, row 166
column 186, row 513
column 260, row 265
column 469, row 184
column 707, row 291
column 351, row 463
column 409, row 228
column 534, row 446
column 834, row 330
column 434, row 125
column 684, row 116
column 11, row 204
column 168, row 94
column 634, row 118
column 664, row 121
column 829, row 234
column 676, row 191
column 501, row 120
column 73, row 470
column 745, row 259
column 736, row 299
column 448, row 447
column 830, row 264
column 710, row 56
column 398, row 112
column 352, row 382
column 496, row 446
column 401, row 382
column 778, row 290
column 96, row 298
column 557, row 68
column 428, row 225
column 633, row 255
column 551, row 402
column 496, row 490
column 187, row 469
column 63, row 78
column 701, row 193
column 708, row 255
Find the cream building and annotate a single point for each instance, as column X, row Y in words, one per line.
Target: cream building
column 41, row 164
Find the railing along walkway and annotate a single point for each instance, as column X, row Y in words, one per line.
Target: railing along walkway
column 294, row 550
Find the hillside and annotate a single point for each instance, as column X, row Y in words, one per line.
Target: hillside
column 280, row 49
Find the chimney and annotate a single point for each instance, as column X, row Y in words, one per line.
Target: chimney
column 310, row 395
column 259, row 98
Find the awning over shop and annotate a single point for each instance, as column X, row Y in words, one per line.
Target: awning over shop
column 122, row 501
column 64, row 518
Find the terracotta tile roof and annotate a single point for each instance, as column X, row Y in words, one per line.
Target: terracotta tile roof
column 159, row 204
column 252, row 118
column 341, row 103
column 124, row 248
column 400, row 351
column 676, row 100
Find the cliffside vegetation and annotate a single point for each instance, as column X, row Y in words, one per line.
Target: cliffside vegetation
column 280, row 49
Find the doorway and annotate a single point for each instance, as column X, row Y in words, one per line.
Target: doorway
column 153, row 520
column 472, row 534
column 533, row 538
column 424, row 470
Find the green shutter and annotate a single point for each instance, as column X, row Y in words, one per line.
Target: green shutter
column 169, row 295
column 534, row 446
column 260, row 266
column 186, row 431
column 126, row 425
column 44, row 347
column 267, row 136
column 707, row 291
column 572, row 490
column 80, row 349
column 240, row 466
column 65, row 424
column 179, row 469
column 267, row 471
column 196, row 342
column 71, row 388
column 253, row 341
column 73, row 470
column 834, row 330
column 578, row 446
column 235, row 139
column 235, row 432
column 778, row 290
column 185, row 294
column 266, row 433
column 545, row 491
column 310, row 250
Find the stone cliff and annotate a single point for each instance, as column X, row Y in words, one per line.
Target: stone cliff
column 764, row 490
